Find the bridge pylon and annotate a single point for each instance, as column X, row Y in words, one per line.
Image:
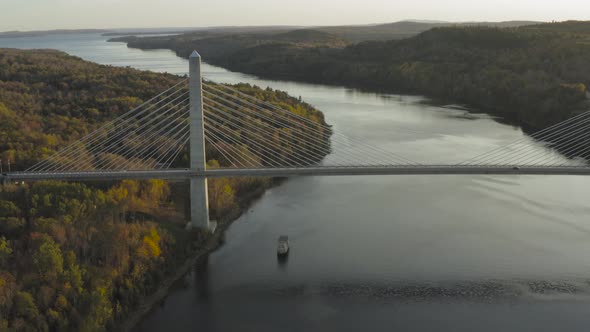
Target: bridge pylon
column 198, row 185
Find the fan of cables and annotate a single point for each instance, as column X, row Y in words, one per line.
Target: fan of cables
column 148, row 137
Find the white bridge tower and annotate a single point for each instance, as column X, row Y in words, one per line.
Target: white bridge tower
column 198, row 185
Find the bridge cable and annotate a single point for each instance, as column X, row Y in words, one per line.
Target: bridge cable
column 565, row 143
column 221, row 151
column 108, row 142
column 96, row 134
column 243, row 132
column 270, row 157
column 119, row 143
column 556, row 134
column 247, row 159
column 154, row 131
column 320, row 154
column 398, row 161
column 244, row 163
column 241, row 109
column 536, row 135
column 536, row 155
column 174, row 144
column 301, row 118
column 168, row 163
column 235, row 120
column 275, row 121
column 136, row 136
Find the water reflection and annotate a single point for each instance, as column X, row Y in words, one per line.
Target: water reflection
column 201, row 279
column 282, row 262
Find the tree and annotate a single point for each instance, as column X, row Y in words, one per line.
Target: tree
column 8, row 289
column 8, row 209
column 48, row 259
column 24, row 306
column 151, row 245
column 11, row 226
column 156, row 191
column 73, row 272
column 221, row 194
column 101, row 311
column 5, row 251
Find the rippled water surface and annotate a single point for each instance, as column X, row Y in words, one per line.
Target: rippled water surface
column 442, row 253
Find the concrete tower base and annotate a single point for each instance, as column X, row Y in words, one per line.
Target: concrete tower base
column 200, row 205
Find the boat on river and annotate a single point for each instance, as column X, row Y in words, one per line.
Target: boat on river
column 283, row 247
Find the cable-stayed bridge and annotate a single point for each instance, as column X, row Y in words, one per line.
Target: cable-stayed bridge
column 253, row 137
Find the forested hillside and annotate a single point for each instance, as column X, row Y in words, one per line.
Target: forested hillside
column 220, row 45
column 532, row 75
column 80, row 257
column 48, row 99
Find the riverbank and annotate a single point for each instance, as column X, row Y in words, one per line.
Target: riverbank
column 211, row 244
column 152, row 300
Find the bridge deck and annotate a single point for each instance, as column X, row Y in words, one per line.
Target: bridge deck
column 179, row 174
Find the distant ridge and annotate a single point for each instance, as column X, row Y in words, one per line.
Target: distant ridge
column 405, row 29
column 425, row 21
column 351, row 33
column 17, row 34
column 503, row 24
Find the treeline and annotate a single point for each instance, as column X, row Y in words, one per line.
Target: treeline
column 532, row 75
column 77, row 257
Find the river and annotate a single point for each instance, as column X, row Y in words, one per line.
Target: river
column 444, row 253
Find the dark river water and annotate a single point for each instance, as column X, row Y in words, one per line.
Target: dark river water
column 384, row 253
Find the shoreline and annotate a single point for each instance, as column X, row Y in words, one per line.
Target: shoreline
column 211, row 245
column 500, row 114
column 149, row 302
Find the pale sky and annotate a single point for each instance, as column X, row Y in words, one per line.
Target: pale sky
column 76, row 14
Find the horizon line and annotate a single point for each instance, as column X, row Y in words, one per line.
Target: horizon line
column 419, row 21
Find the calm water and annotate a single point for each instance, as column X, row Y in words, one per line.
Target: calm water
column 445, row 253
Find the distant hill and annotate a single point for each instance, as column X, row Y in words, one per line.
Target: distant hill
column 576, row 27
column 310, row 37
column 397, row 30
column 425, row 21
column 223, row 41
column 17, row 34
column 403, row 29
column 305, row 35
